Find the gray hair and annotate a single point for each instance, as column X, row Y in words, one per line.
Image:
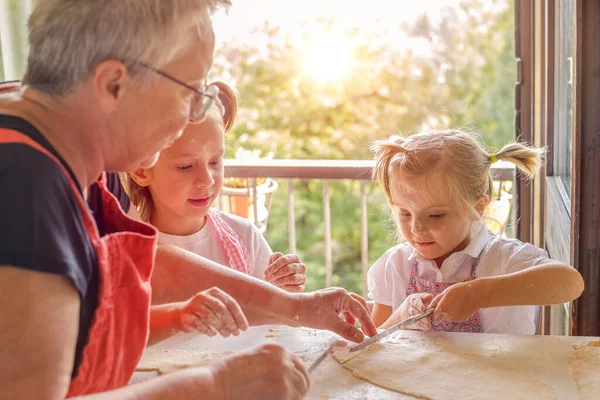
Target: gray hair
column 69, row 38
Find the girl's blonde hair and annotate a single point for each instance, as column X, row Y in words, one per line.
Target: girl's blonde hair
column 458, row 161
column 224, row 109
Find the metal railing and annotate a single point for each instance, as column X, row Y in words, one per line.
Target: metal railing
column 325, row 170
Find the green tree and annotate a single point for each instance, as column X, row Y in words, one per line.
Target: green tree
column 456, row 72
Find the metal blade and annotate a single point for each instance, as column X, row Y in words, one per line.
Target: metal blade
column 320, row 359
column 391, row 330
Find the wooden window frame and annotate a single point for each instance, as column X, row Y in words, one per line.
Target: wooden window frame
column 568, row 237
column 560, row 231
column 586, row 210
column 524, row 108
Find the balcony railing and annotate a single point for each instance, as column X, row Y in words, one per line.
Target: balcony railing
column 326, row 171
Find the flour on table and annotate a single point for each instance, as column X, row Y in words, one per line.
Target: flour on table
column 272, row 333
column 585, row 362
column 439, row 370
column 167, row 361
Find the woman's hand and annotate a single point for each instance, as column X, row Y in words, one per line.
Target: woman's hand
column 322, row 310
column 267, row 372
column 212, row 311
column 414, row 304
column 286, row 272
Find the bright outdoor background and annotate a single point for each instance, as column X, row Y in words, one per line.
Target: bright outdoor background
column 322, row 79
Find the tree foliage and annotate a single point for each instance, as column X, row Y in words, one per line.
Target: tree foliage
column 458, row 71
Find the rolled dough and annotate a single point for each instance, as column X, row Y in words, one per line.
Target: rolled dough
column 167, row 361
column 585, row 362
column 440, row 371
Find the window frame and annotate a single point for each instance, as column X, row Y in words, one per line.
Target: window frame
column 558, row 229
column 568, row 237
column 561, row 212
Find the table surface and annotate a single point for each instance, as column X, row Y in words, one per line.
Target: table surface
column 332, row 381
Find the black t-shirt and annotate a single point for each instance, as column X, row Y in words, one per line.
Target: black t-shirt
column 113, row 184
column 41, row 227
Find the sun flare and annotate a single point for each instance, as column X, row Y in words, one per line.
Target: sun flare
column 328, row 59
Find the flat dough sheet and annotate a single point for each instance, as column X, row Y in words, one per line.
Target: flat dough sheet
column 585, row 362
column 440, row 371
column 167, row 361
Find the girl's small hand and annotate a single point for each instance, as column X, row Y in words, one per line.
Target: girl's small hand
column 286, row 272
column 212, row 311
column 457, row 303
column 414, row 304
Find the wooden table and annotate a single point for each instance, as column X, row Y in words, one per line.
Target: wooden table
column 332, row 381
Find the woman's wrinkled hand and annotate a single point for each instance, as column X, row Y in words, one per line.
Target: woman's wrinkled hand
column 322, row 310
column 266, row 372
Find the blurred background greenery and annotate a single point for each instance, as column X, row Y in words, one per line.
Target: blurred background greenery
column 328, row 89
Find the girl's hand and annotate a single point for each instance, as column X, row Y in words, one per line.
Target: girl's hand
column 457, row 303
column 266, row 372
column 212, row 311
column 414, row 304
column 286, row 272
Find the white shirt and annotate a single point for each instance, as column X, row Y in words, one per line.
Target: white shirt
column 389, row 277
column 206, row 243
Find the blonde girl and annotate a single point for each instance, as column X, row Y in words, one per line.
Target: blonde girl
column 177, row 193
column 438, row 184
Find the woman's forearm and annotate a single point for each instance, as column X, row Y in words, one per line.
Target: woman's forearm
column 549, row 283
column 193, row 383
column 179, row 274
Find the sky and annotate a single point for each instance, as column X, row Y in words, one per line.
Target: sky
column 290, row 14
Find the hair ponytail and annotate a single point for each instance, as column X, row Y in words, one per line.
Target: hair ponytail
column 526, row 158
column 447, row 160
column 386, row 151
column 227, row 104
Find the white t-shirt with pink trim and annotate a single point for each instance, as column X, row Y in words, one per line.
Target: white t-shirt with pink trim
column 389, row 277
column 206, row 243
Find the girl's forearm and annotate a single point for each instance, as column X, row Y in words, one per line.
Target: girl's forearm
column 380, row 313
column 549, row 283
column 165, row 321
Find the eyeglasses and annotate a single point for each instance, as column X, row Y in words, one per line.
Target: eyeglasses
column 202, row 99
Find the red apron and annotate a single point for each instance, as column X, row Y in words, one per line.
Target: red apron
column 125, row 256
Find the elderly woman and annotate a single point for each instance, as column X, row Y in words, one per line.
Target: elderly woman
column 108, row 85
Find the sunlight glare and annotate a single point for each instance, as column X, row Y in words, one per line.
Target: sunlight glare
column 328, row 59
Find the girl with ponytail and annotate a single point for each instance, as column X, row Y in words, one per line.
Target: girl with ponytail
column 176, row 195
column 438, row 184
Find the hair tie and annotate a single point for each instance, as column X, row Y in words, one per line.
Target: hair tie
column 493, row 158
column 220, row 107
